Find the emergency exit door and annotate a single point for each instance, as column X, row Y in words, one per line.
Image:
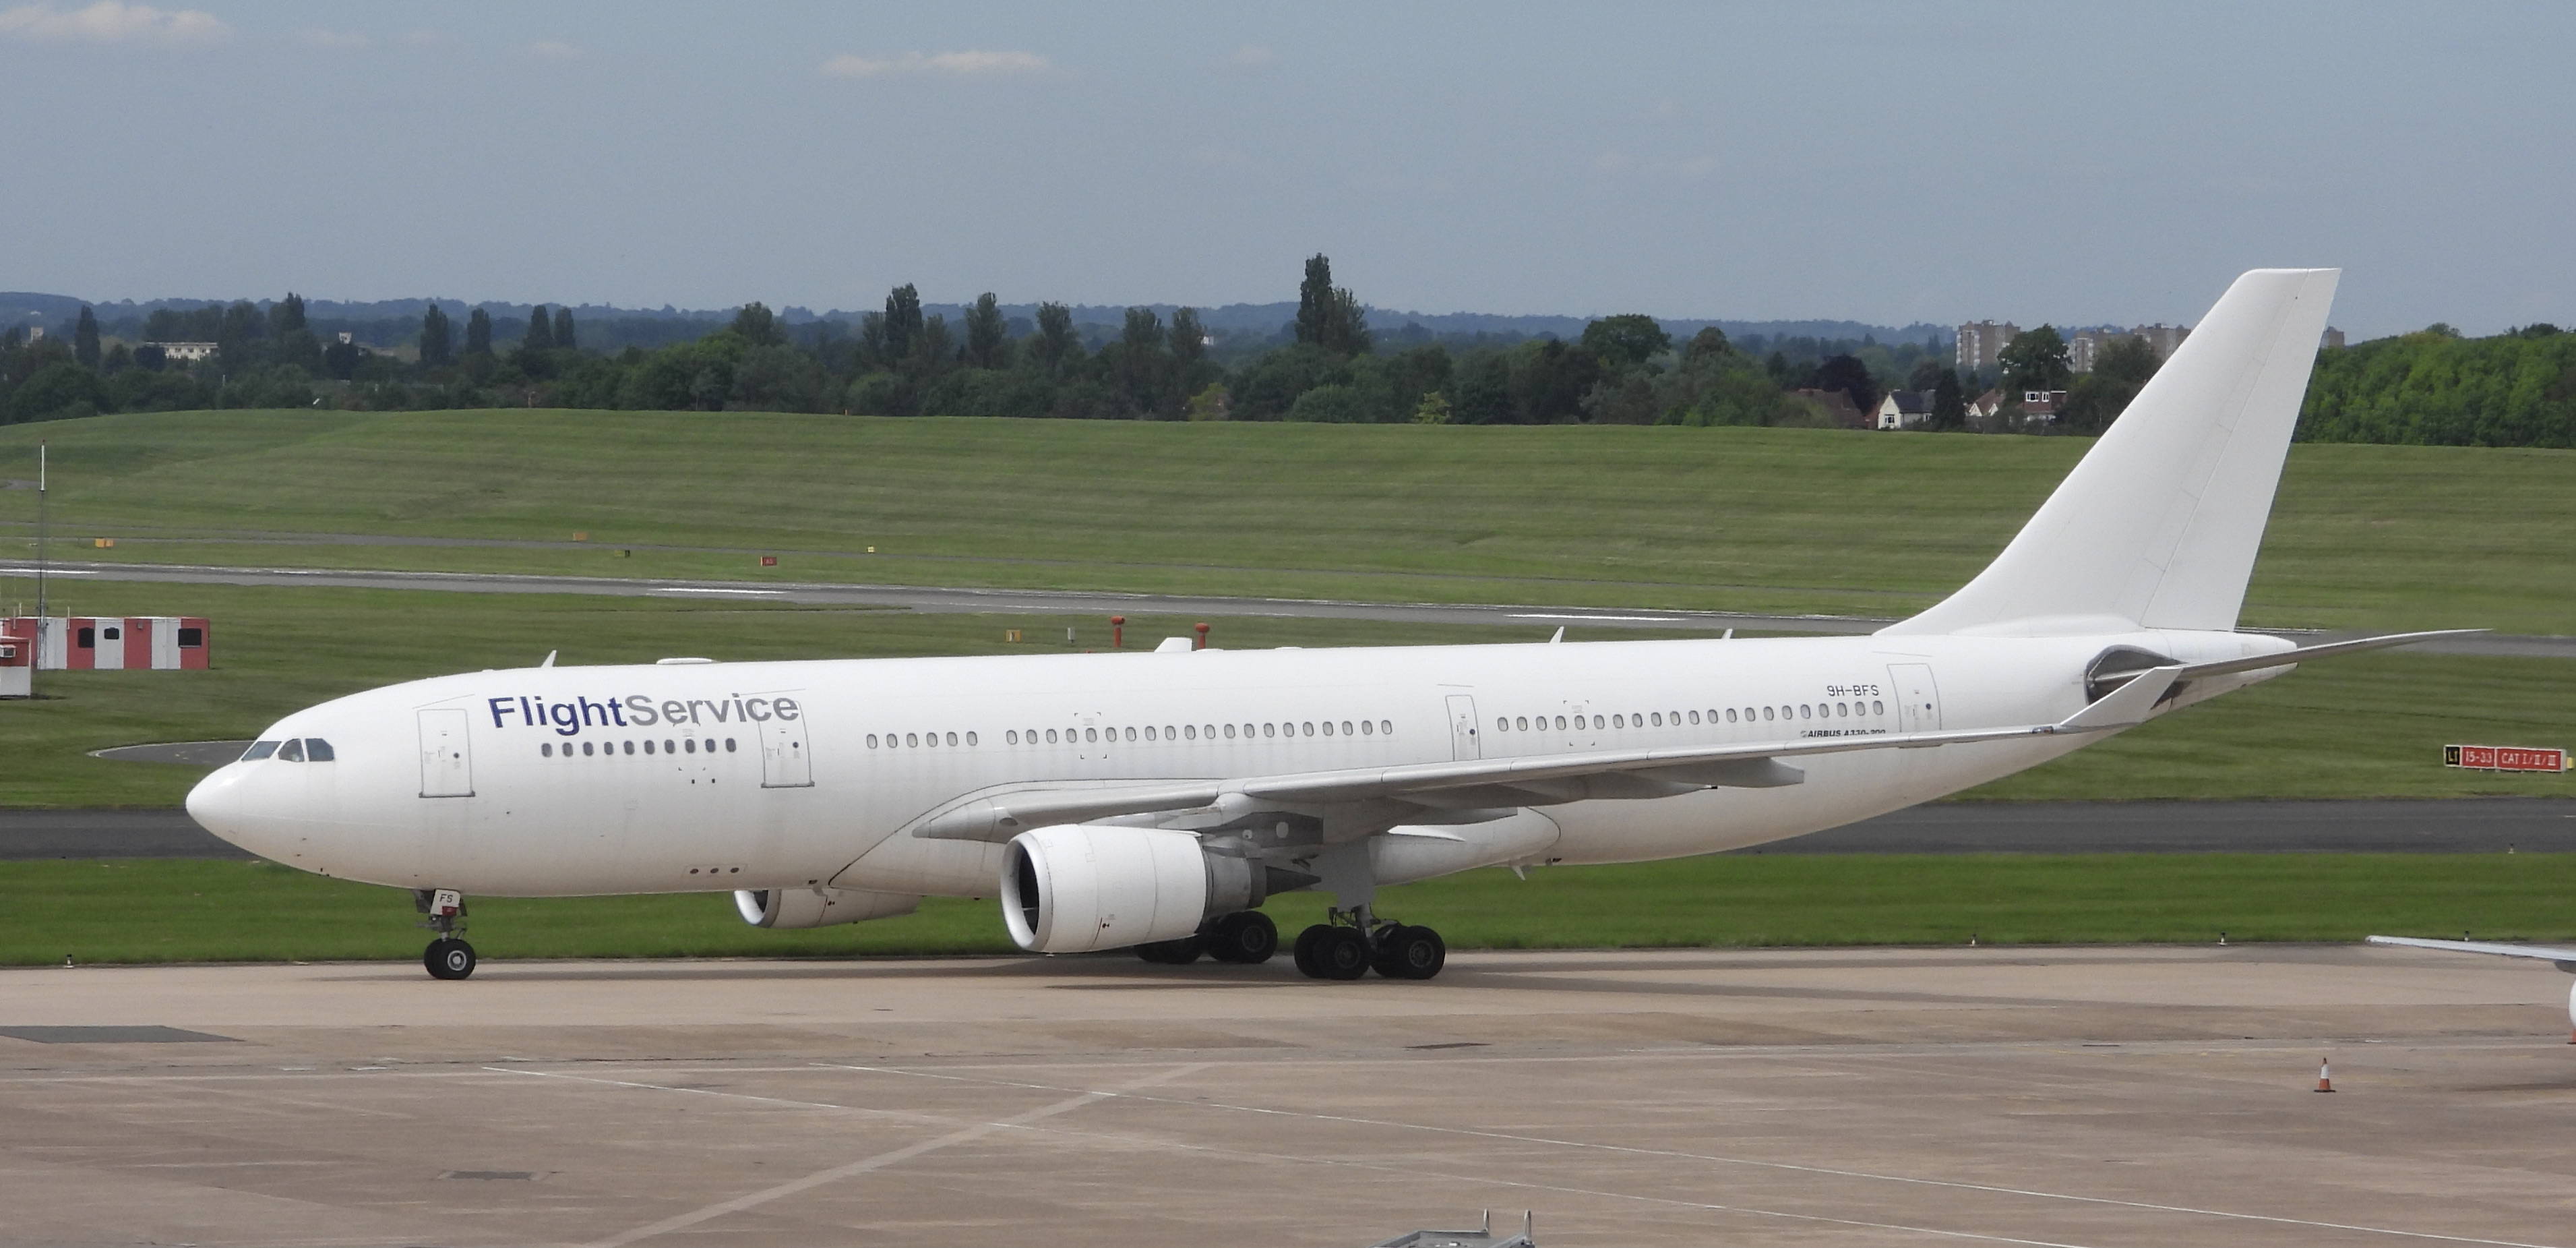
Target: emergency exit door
column 784, row 760
column 1463, row 742
column 1918, row 700
column 446, row 765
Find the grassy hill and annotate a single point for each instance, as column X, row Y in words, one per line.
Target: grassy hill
column 1732, row 518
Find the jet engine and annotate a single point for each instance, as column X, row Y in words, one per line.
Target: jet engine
column 1074, row 888
column 818, row 907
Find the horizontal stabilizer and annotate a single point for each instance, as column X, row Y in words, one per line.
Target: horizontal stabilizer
column 2225, row 667
column 2564, row 958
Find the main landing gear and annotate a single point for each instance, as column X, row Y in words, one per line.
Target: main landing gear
column 447, row 957
column 1354, row 941
column 1245, row 938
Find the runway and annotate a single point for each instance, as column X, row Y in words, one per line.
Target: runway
column 1066, row 602
column 2468, row 825
column 1950, row 1096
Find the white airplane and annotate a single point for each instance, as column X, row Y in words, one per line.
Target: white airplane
column 2563, row 959
column 1154, row 800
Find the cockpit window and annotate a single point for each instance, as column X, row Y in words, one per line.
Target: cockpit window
column 258, row 750
column 292, row 751
column 317, row 750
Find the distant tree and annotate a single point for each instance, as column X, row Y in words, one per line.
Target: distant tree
column 1189, row 339
column 1143, row 332
column 541, row 331
column 1849, row 375
column 1708, row 344
column 1926, row 375
column 85, row 338
column 1624, row 342
column 286, row 315
column 1949, row 406
column 241, row 324
column 1329, row 316
column 755, row 324
column 987, row 340
column 902, row 321
column 340, row 359
column 1055, row 348
column 2035, row 359
column 934, row 349
column 1211, row 403
column 563, row 328
column 437, row 350
column 1432, row 410
column 2120, row 370
column 478, row 332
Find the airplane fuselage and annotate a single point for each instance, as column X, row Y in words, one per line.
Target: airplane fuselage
column 721, row 776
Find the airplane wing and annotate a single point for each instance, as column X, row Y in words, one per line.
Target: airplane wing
column 1470, row 790
column 2287, row 658
column 2564, row 958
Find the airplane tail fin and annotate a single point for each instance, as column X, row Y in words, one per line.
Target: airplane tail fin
column 2158, row 526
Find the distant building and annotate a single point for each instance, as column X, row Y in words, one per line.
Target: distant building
column 1986, row 405
column 2042, row 405
column 1904, row 409
column 2088, row 344
column 2164, row 338
column 1982, row 343
column 184, row 352
column 2333, row 338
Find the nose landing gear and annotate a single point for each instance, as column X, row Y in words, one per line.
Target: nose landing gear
column 1354, row 941
column 447, row 957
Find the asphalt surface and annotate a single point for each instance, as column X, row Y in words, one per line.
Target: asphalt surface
column 2469, row 826
column 1069, row 602
column 1959, row 1096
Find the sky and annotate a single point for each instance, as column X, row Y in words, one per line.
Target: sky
column 1887, row 163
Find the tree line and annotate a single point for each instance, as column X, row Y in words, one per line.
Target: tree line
column 1326, row 365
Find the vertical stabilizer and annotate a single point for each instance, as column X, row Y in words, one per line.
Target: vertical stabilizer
column 2158, row 526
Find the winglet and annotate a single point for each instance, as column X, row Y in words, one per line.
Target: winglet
column 2126, row 706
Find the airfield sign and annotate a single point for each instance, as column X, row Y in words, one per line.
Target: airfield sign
column 2503, row 758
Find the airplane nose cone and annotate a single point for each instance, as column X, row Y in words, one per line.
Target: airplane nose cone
column 216, row 804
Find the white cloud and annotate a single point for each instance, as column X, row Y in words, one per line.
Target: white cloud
column 331, row 39
column 554, row 50
column 953, row 64
column 109, row 21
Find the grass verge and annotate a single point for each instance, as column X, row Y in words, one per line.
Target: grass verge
column 1744, row 519
column 199, row 911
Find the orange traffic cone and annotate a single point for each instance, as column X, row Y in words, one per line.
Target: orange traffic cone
column 2325, row 1076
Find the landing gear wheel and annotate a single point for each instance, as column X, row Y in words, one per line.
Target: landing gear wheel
column 1333, row 953
column 1410, row 953
column 1246, row 938
column 1180, row 952
column 448, row 958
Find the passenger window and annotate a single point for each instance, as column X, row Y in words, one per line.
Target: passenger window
column 1656, row 719
column 292, row 751
column 630, row 747
column 1051, row 736
column 1618, row 721
column 1229, row 732
column 1131, row 734
column 1694, row 717
column 1502, row 723
column 729, row 748
column 952, row 738
column 1599, row 722
column 1366, row 727
column 1328, row 727
column 673, row 747
column 585, row 749
column 1269, row 730
column 912, row 739
column 547, row 750
column 1730, row 714
column 1346, row 727
column 1877, row 708
column 970, row 738
column 1766, row 713
column 1522, row 721
column 872, row 743
column 1149, row 732
column 1190, row 732
column 317, row 750
column 1386, row 726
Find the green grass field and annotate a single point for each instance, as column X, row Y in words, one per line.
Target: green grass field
column 1748, row 519
column 230, row 911
column 2367, row 726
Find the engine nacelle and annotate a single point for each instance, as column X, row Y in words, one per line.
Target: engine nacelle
column 1074, row 888
column 818, row 907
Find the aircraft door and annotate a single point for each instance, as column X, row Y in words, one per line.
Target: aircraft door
column 446, row 765
column 1463, row 743
column 1918, row 700
column 784, row 760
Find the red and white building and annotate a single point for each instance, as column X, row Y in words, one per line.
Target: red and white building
column 83, row 643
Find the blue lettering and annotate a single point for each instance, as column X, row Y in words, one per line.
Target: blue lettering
column 588, row 706
column 566, row 719
column 500, row 706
